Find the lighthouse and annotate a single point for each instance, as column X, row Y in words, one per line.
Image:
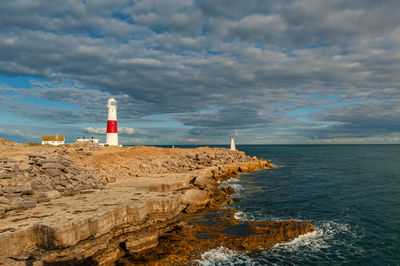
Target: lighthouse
column 112, row 131
column 233, row 148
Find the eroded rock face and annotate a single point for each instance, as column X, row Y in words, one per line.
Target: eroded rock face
column 75, row 222
column 191, row 238
column 43, row 177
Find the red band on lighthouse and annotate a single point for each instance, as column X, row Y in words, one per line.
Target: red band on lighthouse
column 112, row 126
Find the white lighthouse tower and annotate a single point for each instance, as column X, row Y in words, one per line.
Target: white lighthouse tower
column 233, row 147
column 112, row 131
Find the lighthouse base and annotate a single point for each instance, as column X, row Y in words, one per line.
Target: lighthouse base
column 112, row 139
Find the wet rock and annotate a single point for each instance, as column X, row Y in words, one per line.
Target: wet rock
column 191, row 208
column 229, row 190
column 243, row 169
column 188, row 240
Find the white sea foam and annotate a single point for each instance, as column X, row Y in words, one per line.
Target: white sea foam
column 242, row 216
column 325, row 235
column 223, row 256
column 235, row 184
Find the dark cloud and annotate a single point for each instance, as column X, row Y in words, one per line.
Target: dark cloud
column 252, row 61
column 360, row 120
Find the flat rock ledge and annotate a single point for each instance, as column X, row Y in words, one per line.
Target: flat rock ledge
column 99, row 226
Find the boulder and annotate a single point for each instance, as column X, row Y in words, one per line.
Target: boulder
column 43, row 199
column 110, row 179
column 243, row 169
column 23, row 167
column 53, row 194
column 191, row 208
column 29, row 203
column 53, row 172
column 27, row 189
column 11, row 190
column 59, row 188
column 4, row 208
column 5, row 175
column 229, row 190
column 76, row 189
column 17, row 204
column 195, row 197
column 12, row 196
column 65, row 162
column 4, row 200
column 53, row 165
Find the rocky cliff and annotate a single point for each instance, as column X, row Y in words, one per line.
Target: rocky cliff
column 88, row 205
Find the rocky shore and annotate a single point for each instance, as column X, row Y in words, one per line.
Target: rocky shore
column 90, row 205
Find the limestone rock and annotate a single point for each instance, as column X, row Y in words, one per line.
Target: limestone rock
column 17, row 204
column 29, row 203
column 53, row 194
column 3, row 209
column 195, row 197
column 27, row 189
column 11, row 190
column 53, row 172
column 4, row 200
column 23, row 166
column 53, row 165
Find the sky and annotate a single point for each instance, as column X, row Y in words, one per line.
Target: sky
column 202, row 71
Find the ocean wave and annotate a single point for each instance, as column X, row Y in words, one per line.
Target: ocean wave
column 247, row 217
column 224, row 256
column 325, row 242
column 242, row 216
column 235, row 184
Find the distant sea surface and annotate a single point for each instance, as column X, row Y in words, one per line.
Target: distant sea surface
column 351, row 193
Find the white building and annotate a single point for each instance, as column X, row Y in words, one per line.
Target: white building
column 82, row 140
column 53, row 140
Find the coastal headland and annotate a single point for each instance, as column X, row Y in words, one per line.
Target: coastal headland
column 88, row 205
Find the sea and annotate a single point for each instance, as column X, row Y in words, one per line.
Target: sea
column 350, row 193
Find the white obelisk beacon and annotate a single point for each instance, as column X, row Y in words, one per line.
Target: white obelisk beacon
column 233, row 148
column 112, row 131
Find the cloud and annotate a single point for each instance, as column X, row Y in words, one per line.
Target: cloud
column 126, row 130
column 96, row 130
column 121, row 130
column 258, row 63
column 191, row 140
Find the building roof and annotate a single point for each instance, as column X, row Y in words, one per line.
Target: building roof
column 53, row 138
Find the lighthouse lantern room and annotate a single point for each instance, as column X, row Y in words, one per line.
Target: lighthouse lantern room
column 112, row 131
